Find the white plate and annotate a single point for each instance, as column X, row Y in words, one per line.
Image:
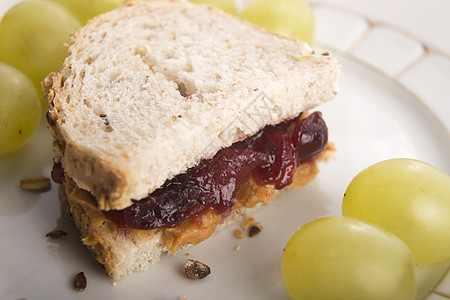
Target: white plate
column 372, row 119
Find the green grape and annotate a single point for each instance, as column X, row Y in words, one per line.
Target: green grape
column 344, row 258
column 20, row 109
column 32, row 37
column 87, row 9
column 292, row 18
column 408, row 198
column 227, row 6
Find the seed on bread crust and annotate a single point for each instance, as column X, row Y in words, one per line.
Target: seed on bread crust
column 35, row 183
column 195, row 269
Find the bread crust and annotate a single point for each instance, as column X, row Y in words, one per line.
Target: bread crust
column 183, row 106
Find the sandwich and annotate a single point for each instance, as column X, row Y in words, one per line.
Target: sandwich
column 172, row 120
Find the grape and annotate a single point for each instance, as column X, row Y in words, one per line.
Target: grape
column 20, row 109
column 344, row 258
column 87, row 9
column 292, row 18
column 227, row 6
column 408, row 198
column 32, row 37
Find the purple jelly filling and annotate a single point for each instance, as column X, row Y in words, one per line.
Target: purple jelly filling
column 271, row 156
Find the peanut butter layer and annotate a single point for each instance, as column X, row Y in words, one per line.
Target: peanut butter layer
column 199, row 227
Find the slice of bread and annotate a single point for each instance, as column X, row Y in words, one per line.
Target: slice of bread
column 152, row 88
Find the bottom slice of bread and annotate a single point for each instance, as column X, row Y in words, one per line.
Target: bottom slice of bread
column 124, row 250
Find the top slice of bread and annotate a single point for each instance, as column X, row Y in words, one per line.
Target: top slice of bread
column 152, row 88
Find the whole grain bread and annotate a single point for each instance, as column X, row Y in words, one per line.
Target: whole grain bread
column 152, row 88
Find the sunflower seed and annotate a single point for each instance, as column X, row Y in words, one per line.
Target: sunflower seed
column 195, row 269
column 80, row 282
column 56, row 234
column 36, row 183
column 254, row 229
